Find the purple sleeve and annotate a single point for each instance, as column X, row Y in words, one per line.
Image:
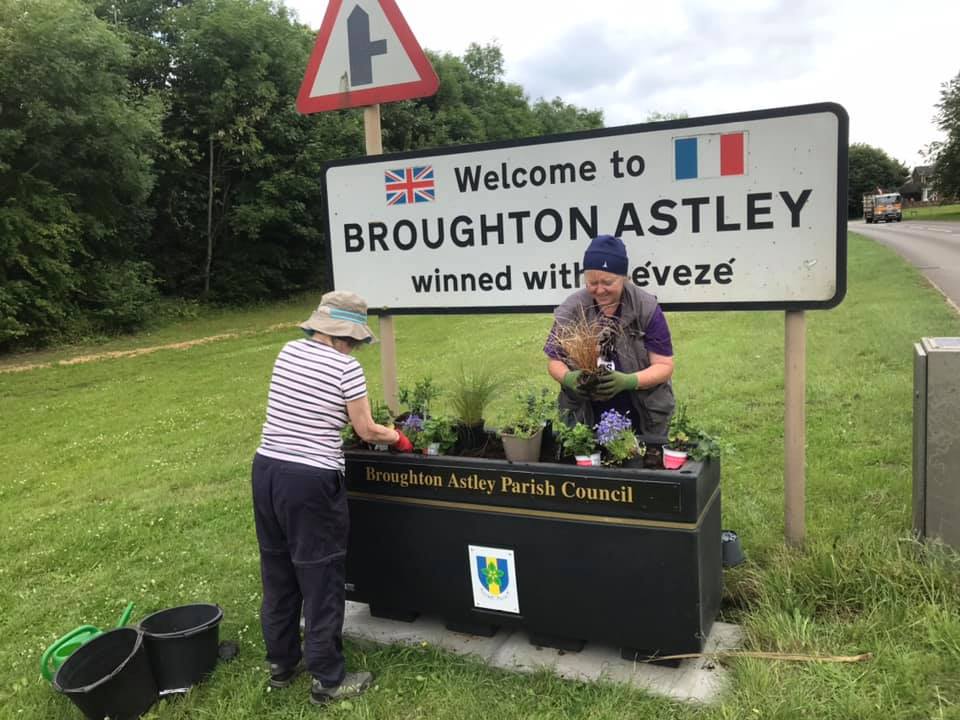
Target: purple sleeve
column 657, row 338
column 551, row 349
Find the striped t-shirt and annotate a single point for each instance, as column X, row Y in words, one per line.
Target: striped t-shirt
column 306, row 407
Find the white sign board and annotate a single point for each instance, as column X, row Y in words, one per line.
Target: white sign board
column 743, row 211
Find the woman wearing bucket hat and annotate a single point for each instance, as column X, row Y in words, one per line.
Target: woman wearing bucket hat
column 638, row 356
column 300, row 498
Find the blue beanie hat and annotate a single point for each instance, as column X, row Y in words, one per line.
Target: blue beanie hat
column 607, row 253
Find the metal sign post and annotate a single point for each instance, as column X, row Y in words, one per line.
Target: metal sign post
column 794, row 426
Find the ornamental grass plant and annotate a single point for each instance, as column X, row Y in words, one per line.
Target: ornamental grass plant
column 473, row 389
column 582, row 340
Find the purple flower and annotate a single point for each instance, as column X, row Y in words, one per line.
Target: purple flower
column 611, row 425
column 413, row 423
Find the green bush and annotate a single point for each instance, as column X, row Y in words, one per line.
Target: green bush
column 119, row 297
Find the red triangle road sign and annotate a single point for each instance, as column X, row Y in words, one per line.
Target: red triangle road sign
column 365, row 54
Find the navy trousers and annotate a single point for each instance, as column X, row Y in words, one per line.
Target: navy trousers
column 302, row 526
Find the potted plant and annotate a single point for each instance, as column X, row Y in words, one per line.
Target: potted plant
column 686, row 440
column 412, row 427
column 349, row 438
column 522, row 434
column 437, row 436
column 382, row 416
column 472, row 392
column 418, row 399
column 615, row 434
column 583, row 342
column 578, row 440
column 678, row 436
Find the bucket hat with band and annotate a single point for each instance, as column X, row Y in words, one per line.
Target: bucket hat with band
column 341, row 314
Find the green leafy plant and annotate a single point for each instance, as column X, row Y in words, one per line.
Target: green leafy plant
column 472, row 392
column 531, row 412
column 419, row 398
column 684, row 436
column 348, row 435
column 577, row 439
column 438, row 430
column 381, row 414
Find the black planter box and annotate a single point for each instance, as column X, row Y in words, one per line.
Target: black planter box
column 628, row 557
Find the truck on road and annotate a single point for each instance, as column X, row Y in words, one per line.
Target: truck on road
column 883, row 206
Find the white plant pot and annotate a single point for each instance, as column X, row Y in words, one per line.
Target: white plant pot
column 673, row 459
column 588, row 460
column 432, row 449
column 381, row 447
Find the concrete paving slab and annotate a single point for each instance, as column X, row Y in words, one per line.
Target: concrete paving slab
column 697, row 680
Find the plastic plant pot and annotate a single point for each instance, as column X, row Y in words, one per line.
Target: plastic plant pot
column 584, row 460
column 673, row 459
column 182, row 644
column 432, row 449
column 732, row 550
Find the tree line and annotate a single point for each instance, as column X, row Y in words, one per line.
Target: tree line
column 151, row 149
column 945, row 154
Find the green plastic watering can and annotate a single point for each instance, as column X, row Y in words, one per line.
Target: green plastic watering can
column 55, row 655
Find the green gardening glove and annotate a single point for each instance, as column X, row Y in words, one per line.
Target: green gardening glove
column 571, row 381
column 613, row 383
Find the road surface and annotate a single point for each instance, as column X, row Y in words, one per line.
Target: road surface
column 933, row 247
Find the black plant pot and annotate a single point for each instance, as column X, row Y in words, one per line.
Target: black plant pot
column 731, row 548
column 471, row 439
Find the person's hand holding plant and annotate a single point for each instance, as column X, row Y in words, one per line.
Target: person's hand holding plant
column 613, row 383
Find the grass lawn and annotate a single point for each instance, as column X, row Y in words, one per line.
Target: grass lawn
column 933, row 212
column 128, row 479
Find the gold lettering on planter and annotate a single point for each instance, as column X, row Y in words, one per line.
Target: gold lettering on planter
column 537, row 488
column 472, row 482
column 404, row 479
column 623, row 494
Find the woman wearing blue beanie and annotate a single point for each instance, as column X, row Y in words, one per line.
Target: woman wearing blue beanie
column 639, row 357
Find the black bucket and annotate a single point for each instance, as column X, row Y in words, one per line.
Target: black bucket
column 109, row 676
column 183, row 644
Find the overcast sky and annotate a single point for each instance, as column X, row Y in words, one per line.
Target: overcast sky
column 884, row 61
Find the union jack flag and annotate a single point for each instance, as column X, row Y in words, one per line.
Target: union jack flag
column 410, row 185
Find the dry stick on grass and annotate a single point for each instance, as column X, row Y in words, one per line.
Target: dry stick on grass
column 720, row 654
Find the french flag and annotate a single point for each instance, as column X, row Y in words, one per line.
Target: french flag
column 710, row 156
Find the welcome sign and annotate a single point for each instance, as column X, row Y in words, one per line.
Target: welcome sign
column 741, row 211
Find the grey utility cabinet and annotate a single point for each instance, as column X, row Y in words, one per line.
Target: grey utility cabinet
column 936, row 439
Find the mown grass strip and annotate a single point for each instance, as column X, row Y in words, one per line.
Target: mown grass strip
column 127, row 479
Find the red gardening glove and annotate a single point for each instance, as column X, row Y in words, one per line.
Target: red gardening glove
column 403, row 443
